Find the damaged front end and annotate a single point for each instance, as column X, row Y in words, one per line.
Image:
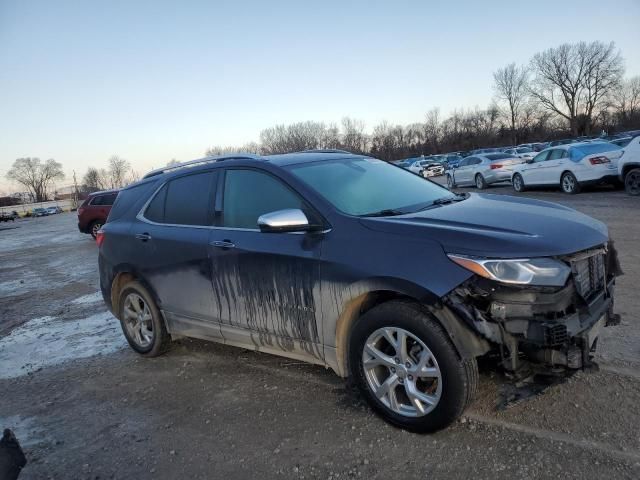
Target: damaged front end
column 544, row 326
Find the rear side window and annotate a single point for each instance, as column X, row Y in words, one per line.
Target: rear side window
column 183, row 201
column 557, row 154
column 104, row 200
column 129, row 197
column 249, row 194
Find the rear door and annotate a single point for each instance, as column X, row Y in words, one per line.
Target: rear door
column 172, row 246
column 264, row 283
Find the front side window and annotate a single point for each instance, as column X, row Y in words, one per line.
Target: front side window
column 542, row 156
column 183, row 201
column 250, row 193
column 367, row 186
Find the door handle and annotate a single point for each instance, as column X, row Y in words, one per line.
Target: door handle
column 223, row 244
column 143, row 236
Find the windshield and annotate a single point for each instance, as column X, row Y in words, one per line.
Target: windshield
column 366, row 186
column 524, row 150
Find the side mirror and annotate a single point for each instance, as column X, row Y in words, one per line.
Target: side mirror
column 529, row 160
column 288, row 220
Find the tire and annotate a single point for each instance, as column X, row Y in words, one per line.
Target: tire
column 481, row 183
column 632, row 182
column 442, row 398
column 450, row 183
column 94, row 227
column 569, row 183
column 518, row 183
column 154, row 339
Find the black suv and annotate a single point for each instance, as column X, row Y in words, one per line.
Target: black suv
column 356, row 264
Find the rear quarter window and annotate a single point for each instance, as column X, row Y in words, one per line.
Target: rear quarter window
column 129, row 198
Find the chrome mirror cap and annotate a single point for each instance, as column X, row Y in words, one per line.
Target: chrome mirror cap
column 288, row 220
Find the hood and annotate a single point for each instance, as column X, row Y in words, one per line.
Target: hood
column 499, row 226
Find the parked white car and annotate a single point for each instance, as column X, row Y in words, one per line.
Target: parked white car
column 520, row 152
column 569, row 166
column 629, row 167
column 482, row 170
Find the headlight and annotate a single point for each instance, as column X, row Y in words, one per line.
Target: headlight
column 532, row 271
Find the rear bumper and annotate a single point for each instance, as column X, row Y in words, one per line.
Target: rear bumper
column 496, row 176
column 608, row 178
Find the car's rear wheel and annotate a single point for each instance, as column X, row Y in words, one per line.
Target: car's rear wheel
column 569, row 183
column 481, row 183
column 94, row 227
column 632, row 182
column 407, row 369
column 142, row 324
column 518, row 183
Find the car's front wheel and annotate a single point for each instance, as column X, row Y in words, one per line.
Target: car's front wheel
column 632, row 182
column 518, row 183
column 569, row 183
column 407, row 369
column 142, row 324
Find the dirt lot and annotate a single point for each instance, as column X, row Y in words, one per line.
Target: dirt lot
column 84, row 406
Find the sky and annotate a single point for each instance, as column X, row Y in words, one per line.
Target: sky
column 149, row 81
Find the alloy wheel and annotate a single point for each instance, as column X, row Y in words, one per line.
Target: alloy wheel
column 402, row 372
column 94, row 229
column 137, row 320
column 517, row 183
column 632, row 182
column 568, row 183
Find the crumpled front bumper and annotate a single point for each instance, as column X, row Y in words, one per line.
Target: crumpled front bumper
column 557, row 327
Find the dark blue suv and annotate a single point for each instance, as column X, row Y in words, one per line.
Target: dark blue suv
column 353, row 263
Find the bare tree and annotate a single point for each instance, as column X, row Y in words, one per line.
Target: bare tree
column 572, row 79
column 94, row 179
column 511, row 86
column 35, row 175
column 117, row 171
column 353, row 136
column 251, row 147
column 626, row 100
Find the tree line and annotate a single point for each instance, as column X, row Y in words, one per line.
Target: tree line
column 569, row 90
column 39, row 177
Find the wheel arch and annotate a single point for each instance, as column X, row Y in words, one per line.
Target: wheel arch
column 466, row 343
column 626, row 168
column 122, row 276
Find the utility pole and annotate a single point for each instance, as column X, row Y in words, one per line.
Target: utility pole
column 75, row 191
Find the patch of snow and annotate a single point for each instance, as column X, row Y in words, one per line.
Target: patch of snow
column 47, row 341
column 88, row 299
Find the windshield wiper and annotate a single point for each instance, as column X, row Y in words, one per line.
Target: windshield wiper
column 388, row 212
column 458, row 197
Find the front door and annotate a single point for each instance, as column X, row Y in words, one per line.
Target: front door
column 264, row 284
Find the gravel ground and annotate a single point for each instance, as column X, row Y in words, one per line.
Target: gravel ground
column 85, row 406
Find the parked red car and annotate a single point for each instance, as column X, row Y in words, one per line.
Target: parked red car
column 93, row 212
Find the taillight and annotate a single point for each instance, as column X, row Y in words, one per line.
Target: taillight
column 99, row 238
column 496, row 165
column 599, row 160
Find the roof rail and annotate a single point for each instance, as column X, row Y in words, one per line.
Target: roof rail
column 326, row 150
column 202, row 161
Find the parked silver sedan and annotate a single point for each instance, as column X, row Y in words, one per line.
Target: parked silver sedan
column 482, row 170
